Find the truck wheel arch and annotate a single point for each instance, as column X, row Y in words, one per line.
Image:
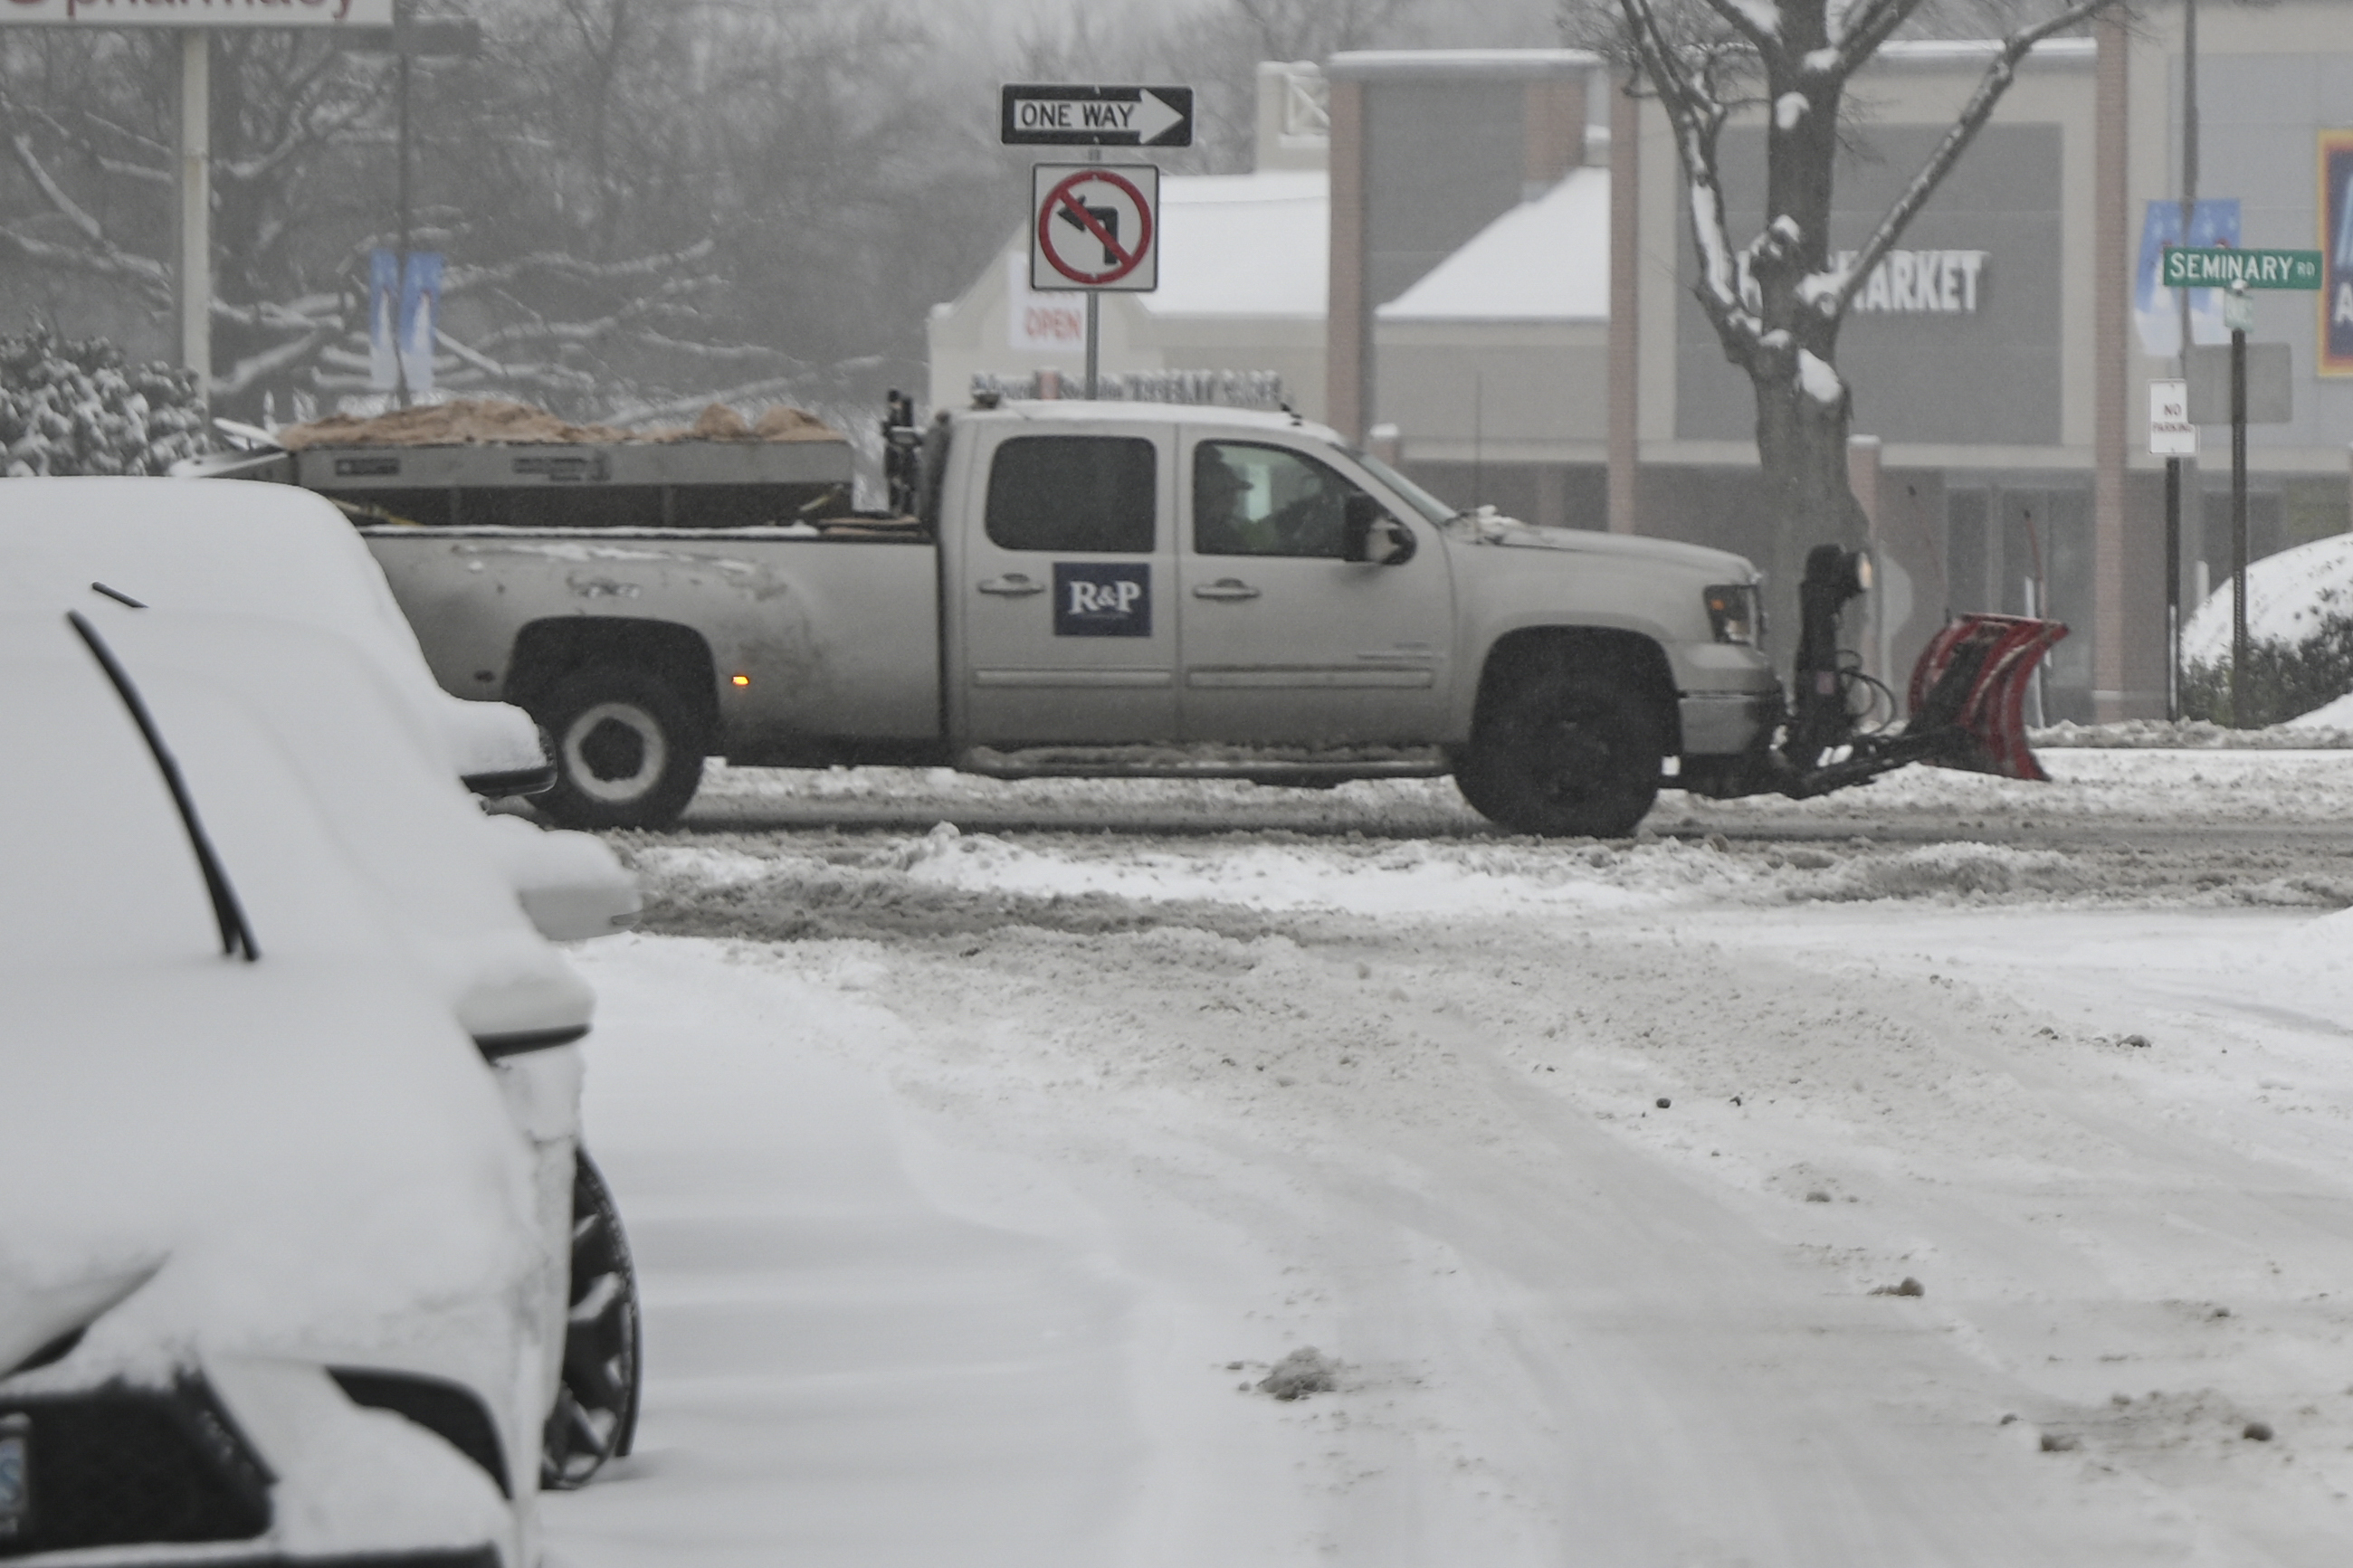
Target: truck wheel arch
column 1570, row 733
column 548, row 650
column 1626, row 655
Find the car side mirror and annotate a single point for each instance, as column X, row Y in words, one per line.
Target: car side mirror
column 1373, row 537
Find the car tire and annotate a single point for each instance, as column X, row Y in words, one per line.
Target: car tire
column 595, row 1417
column 1566, row 753
column 628, row 749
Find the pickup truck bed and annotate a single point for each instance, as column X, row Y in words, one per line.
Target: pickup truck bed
column 819, row 644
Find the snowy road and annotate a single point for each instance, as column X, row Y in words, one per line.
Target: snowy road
column 958, row 1210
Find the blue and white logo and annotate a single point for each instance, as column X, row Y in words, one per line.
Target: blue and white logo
column 1102, row 601
column 15, row 1477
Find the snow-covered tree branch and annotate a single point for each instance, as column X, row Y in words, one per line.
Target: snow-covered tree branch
column 1777, row 299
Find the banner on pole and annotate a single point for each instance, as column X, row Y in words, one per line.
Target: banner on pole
column 384, row 316
column 420, row 318
column 2336, row 207
column 2156, row 312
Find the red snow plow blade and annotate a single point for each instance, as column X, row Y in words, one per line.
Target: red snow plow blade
column 1969, row 690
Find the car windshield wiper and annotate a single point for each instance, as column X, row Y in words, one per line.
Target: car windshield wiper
column 117, row 595
column 235, row 933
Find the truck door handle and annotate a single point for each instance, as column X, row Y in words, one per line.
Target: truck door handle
column 1012, row 585
column 1225, row 588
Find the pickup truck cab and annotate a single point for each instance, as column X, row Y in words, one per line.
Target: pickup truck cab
column 1108, row 588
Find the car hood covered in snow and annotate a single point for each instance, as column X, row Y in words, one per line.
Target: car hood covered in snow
column 301, row 1157
column 1489, row 528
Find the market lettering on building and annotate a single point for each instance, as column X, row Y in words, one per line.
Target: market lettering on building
column 1920, row 282
column 1904, row 283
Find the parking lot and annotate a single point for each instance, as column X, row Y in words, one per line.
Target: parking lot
column 979, row 1172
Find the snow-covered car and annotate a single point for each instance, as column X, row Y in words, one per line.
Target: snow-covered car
column 284, row 554
column 276, row 1271
column 408, row 845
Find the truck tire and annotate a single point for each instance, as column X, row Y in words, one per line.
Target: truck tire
column 628, row 749
column 1566, row 753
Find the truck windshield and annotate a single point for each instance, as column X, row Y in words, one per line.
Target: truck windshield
column 1420, row 500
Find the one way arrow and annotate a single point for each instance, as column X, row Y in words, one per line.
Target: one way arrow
column 1155, row 117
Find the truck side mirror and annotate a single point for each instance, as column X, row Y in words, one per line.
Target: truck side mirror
column 1372, row 536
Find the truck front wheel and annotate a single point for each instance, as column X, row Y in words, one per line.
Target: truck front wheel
column 626, row 750
column 1566, row 753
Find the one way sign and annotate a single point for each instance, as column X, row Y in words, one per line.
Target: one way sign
column 1096, row 117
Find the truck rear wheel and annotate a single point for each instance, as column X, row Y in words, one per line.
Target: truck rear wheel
column 1566, row 753
column 627, row 750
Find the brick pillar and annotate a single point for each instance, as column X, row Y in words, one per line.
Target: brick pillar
column 2111, row 264
column 1625, row 304
column 1554, row 117
column 1347, row 322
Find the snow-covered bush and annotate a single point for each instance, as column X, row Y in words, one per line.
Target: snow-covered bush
column 2283, row 679
column 78, row 408
column 2299, row 637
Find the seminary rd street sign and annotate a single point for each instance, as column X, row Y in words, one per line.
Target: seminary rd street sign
column 2219, row 267
column 1096, row 116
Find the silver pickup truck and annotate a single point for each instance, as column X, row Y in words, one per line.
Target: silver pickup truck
column 1108, row 589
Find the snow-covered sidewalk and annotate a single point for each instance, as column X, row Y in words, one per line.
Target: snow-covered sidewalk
column 968, row 1244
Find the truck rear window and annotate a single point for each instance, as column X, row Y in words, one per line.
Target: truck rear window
column 1081, row 495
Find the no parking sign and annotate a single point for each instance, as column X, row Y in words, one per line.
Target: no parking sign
column 1094, row 226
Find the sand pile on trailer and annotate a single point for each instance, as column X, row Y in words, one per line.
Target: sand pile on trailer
column 484, row 421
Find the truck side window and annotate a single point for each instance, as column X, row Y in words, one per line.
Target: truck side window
column 1249, row 500
column 1081, row 495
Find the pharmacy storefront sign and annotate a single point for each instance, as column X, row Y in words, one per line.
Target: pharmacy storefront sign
column 197, row 12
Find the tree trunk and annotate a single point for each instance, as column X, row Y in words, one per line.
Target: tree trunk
column 1802, row 443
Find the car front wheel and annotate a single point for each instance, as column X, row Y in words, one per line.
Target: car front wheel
column 596, row 1413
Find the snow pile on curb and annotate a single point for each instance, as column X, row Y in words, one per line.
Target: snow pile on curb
column 2328, row 728
column 1946, row 872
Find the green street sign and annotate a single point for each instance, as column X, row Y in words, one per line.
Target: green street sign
column 2219, row 267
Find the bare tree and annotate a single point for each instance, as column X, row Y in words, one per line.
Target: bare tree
column 1778, row 298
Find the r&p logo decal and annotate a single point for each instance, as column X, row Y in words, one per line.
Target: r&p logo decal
column 1094, row 601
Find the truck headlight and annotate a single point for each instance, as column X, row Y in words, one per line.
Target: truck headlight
column 1736, row 614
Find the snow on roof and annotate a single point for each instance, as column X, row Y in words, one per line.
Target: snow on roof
column 1243, row 245
column 1544, row 260
column 1357, row 65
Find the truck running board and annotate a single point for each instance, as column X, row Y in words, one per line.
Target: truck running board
column 1305, row 768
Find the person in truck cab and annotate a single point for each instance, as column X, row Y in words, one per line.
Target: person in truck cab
column 1252, row 499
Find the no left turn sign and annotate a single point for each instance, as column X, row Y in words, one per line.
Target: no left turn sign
column 1094, row 226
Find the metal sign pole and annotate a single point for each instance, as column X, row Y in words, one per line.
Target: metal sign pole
column 2239, row 512
column 1094, row 324
column 400, row 271
column 2172, row 590
column 196, row 208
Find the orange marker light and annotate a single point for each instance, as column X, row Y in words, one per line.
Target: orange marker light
column 741, row 679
